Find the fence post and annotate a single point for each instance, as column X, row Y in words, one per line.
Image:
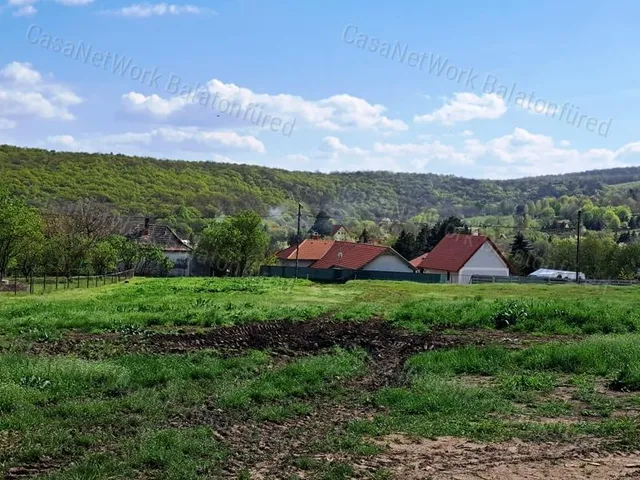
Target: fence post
column 15, row 282
column 44, row 283
column 56, row 281
column 78, row 280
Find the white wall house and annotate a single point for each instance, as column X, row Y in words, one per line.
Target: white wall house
column 460, row 257
column 389, row 262
column 486, row 261
column 331, row 254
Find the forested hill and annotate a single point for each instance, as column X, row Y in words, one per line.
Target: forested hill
column 165, row 188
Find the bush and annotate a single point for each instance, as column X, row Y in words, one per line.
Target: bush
column 510, row 314
column 627, row 379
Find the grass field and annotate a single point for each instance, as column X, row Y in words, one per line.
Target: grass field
column 271, row 378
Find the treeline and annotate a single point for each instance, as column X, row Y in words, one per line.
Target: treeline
column 71, row 238
column 602, row 255
column 550, row 212
column 186, row 195
column 86, row 237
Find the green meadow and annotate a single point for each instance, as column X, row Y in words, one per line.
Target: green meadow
column 88, row 390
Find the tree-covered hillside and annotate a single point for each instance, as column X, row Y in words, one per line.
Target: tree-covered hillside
column 165, row 189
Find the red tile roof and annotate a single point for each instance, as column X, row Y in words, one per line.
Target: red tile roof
column 348, row 255
column 418, row 260
column 308, row 250
column 454, row 251
column 335, row 254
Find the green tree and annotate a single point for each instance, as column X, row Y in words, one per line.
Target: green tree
column 20, row 231
column 442, row 228
column 610, row 219
column 104, row 257
column 521, row 254
column 322, row 226
column 405, row 245
column 623, row 212
column 238, row 243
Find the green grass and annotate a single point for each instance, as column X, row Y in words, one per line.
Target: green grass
column 439, row 401
column 206, row 302
column 151, row 415
column 568, row 316
column 68, row 407
column 602, row 356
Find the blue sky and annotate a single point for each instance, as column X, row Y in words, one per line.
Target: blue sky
column 490, row 89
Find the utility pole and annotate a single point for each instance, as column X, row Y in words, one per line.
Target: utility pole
column 578, row 247
column 298, row 239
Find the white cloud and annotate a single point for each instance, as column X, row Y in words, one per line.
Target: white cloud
column 6, row 124
column 163, row 138
column 24, row 94
column 26, row 11
column 370, row 163
column 145, row 10
column 20, row 73
column 297, row 158
column 338, row 112
column 154, row 105
column 430, row 151
column 334, row 144
column 65, row 140
column 74, row 3
column 520, row 153
column 465, row 107
column 25, row 8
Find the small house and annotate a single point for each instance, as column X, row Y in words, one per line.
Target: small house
column 340, row 233
column 330, row 254
column 462, row 256
column 179, row 251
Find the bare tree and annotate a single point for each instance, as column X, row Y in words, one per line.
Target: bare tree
column 74, row 229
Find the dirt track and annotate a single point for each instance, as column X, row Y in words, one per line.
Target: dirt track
column 268, row 449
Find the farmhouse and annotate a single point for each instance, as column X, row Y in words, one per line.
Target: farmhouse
column 462, row 256
column 340, row 233
column 330, row 254
column 175, row 249
column 309, row 252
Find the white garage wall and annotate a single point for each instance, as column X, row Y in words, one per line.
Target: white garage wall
column 486, row 261
column 388, row 263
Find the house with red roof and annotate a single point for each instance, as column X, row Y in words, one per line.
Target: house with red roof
column 331, row 254
column 309, row 252
column 462, row 256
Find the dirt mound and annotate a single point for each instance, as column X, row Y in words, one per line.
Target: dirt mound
column 281, row 337
column 292, row 337
column 448, row 457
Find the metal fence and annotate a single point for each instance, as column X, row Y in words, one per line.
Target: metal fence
column 479, row 279
column 340, row 276
column 17, row 284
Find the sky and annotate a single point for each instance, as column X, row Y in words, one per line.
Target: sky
column 491, row 89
